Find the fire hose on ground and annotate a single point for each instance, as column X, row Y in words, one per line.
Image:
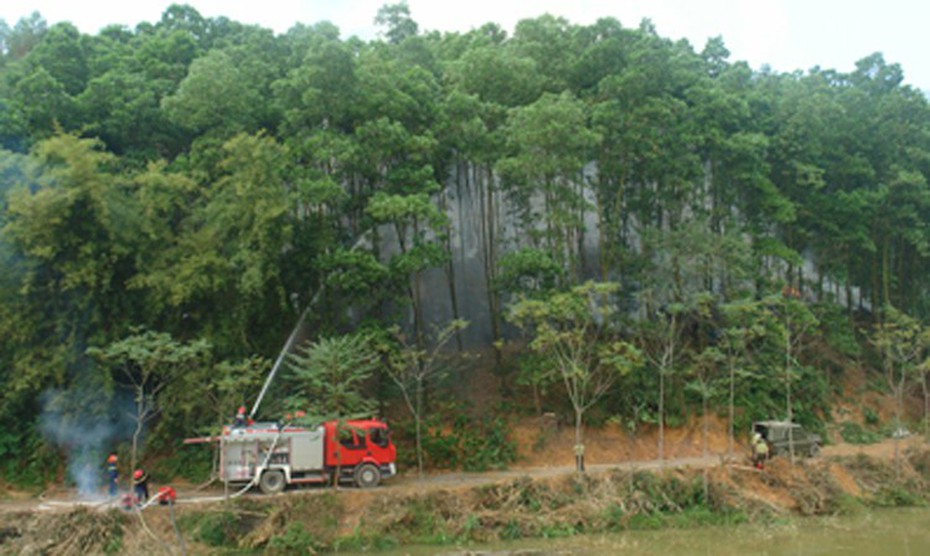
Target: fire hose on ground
column 167, row 495
column 166, row 546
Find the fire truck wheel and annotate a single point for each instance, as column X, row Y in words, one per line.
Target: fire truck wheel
column 367, row 476
column 272, row 482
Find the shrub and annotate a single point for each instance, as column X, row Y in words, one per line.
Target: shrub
column 486, row 446
column 846, row 504
column 26, row 460
column 295, row 540
column 193, row 463
column 854, row 433
column 897, row 496
column 360, row 542
column 217, row 529
column 512, row 531
column 472, row 445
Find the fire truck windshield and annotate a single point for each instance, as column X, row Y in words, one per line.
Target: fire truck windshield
column 379, row 436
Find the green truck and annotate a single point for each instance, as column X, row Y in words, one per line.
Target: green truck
column 777, row 435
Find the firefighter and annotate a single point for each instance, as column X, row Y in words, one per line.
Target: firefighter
column 140, row 486
column 760, row 451
column 112, row 474
column 579, row 457
column 239, row 422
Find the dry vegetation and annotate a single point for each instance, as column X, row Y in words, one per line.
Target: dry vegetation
column 522, row 506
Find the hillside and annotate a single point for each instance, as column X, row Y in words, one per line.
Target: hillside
column 458, row 230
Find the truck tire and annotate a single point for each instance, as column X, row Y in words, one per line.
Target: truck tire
column 367, row 476
column 814, row 451
column 272, row 482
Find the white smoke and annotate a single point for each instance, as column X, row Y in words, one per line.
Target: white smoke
column 86, row 438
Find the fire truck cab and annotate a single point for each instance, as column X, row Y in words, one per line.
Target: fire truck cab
column 274, row 456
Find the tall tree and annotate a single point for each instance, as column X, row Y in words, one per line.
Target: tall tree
column 397, row 21
column 416, row 223
column 413, row 367
column 551, row 145
column 224, row 271
column 575, row 329
column 662, row 343
column 215, row 97
column 24, row 36
column 795, row 322
column 71, row 221
column 148, row 362
column 61, row 52
column 903, row 345
column 744, row 325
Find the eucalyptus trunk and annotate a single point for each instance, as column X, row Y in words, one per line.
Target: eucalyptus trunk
column 579, row 439
column 418, row 426
column 730, row 410
column 490, row 261
column 790, row 411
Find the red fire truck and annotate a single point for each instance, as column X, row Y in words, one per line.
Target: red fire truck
column 273, row 456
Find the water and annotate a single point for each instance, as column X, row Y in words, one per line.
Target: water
column 900, row 532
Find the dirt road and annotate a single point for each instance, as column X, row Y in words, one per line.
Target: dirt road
column 883, row 449
column 64, row 500
column 446, row 480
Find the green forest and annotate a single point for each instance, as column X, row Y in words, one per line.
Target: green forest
column 591, row 220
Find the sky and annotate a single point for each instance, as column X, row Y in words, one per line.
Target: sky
column 786, row 35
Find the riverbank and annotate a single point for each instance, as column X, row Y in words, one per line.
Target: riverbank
column 525, row 506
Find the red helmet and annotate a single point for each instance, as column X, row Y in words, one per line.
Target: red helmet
column 137, row 474
column 112, row 458
column 242, row 409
